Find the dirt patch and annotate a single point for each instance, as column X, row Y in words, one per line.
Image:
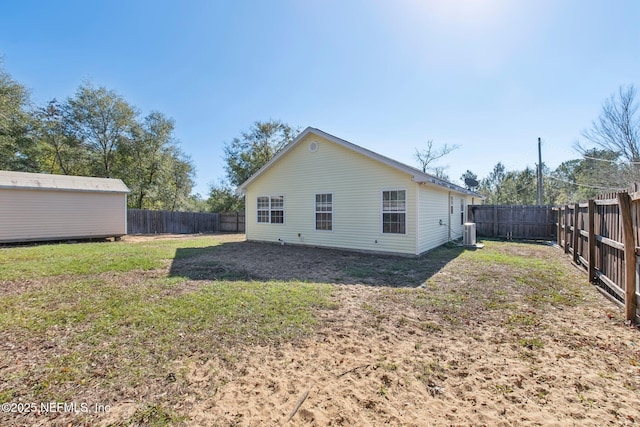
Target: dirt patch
column 362, row 371
column 450, row 338
column 241, row 260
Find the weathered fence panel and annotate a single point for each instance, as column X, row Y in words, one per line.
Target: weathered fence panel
column 232, row 222
column 603, row 237
column 142, row 221
column 514, row 221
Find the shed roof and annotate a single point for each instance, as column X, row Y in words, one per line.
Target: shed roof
column 44, row 181
column 416, row 174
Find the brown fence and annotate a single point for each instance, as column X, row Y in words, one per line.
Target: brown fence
column 142, row 221
column 603, row 237
column 514, row 222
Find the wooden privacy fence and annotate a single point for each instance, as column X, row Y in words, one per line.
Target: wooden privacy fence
column 232, row 222
column 142, row 221
column 603, row 237
column 514, row 222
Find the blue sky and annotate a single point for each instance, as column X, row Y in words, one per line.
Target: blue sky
column 490, row 76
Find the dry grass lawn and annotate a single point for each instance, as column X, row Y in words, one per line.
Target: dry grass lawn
column 213, row 331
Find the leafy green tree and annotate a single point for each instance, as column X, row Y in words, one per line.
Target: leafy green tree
column 195, row 203
column 246, row 154
column 222, row 198
column 60, row 151
column 177, row 172
column 140, row 160
column 491, row 186
column 103, row 121
column 243, row 156
column 18, row 150
column 519, row 188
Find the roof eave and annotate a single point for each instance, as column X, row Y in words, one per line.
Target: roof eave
column 417, row 175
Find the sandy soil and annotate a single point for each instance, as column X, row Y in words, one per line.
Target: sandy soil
column 385, row 369
column 379, row 358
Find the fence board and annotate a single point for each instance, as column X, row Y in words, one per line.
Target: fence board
column 599, row 240
column 232, row 222
column 514, row 222
column 142, row 221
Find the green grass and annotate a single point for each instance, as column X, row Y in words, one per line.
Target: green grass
column 506, row 279
column 107, row 318
column 30, row 262
column 122, row 328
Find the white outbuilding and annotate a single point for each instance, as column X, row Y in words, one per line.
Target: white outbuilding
column 39, row 207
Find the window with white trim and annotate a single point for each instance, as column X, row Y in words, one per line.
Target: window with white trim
column 462, row 211
column 394, row 212
column 270, row 209
column 324, row 211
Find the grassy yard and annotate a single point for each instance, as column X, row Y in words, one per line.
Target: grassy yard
column 106, row 322
column 100, row 320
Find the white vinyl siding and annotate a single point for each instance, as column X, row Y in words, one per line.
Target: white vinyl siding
column 55, row 215
column 433, row 223
column 356, row 182
column 457, row 227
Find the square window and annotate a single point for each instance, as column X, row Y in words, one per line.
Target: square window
column 270, row 209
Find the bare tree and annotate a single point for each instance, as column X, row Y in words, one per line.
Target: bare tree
column 430, row 154
column 617, row 128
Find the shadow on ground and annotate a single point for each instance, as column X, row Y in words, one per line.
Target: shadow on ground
column 266, row 261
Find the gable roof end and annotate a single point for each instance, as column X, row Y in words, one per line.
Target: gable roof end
column 417, row 175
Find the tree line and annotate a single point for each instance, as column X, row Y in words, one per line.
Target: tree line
column 96, row 132
column 609, row 161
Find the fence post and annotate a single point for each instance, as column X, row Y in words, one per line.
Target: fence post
column 558, row 226
column 566, row 229
column 624, row 201
column 592, row 240
column 576, row 235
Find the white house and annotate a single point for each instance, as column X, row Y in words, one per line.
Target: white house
column 321, row 190
column 38, row 207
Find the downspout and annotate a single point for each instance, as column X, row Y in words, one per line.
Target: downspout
column 449, row 208
column 417, row 219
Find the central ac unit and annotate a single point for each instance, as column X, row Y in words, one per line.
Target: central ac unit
column 469, row 238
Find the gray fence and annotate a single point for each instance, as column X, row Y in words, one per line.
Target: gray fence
column 142, row 221
column 514, row 221
column 232, row 222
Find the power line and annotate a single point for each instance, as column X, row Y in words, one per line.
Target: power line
column 610, row 161
column 584, row 185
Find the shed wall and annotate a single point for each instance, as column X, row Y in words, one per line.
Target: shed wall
column 51, row 215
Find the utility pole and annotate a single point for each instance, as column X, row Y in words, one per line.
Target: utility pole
column 539, row 194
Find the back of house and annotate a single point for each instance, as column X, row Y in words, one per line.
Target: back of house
column 323, row 191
